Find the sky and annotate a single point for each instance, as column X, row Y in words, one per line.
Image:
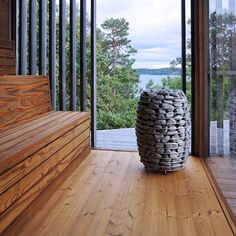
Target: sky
column 155, row 28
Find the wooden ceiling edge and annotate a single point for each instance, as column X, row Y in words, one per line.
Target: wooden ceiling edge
column 219, row 195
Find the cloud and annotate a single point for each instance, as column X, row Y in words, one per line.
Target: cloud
column 155, row 28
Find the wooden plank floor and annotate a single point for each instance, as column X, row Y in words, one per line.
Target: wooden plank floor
column 224, row 171
column 110, row 193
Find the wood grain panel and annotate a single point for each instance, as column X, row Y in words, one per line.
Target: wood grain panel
column 20, row 188
column 110, row 193
column 5, row 19
column 39, row 202
column 6, row 44
column 7, row 58
column 16, row 173
column 30, row 126
column 22, row 98
column 34, row 121
column 223, row 171
column 6, row 53
column 21, row 151
column 7, row 61
column 19, row 206
column 19, row 139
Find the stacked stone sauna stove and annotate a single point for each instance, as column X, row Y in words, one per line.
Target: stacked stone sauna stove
column 163, row 129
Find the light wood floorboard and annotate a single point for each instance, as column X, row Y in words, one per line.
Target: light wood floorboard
column 110, row 193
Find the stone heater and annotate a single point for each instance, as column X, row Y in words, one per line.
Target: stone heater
column 163, row 129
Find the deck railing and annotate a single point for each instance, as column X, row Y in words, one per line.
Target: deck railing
column 52, row 38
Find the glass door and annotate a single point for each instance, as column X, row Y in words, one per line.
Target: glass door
column 222, row 74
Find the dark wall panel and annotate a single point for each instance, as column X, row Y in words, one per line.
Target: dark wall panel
column 5, row 19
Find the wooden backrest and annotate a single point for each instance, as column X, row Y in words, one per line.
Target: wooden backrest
column 22, row 98
column 7, row 58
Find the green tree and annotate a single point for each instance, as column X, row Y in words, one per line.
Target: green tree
column 116, row 43
column 117, row 86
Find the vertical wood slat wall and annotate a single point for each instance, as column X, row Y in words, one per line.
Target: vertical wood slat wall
column 93, row 74
column 52, row 51
column 44, row 51
column 73, row 49
column 32, row 37
column 42, row 37
column 62, row 55
column 83, row 66
column 23, row 37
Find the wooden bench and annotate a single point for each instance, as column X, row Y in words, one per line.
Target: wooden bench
column 7, row 58
column 37, row 145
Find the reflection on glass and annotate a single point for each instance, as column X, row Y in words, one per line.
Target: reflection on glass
column 222, row 45
column 222, row 25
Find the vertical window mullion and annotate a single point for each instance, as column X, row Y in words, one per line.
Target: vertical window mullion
column 73, row 91
column 62, row 55
column 23, row 38
column 93, row 75
column 42, row 37
column 33, row 38
column 52, row 51
column 83, row 66
column 183, row 48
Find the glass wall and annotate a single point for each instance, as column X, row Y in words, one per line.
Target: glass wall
column 222, row 30
column 138, row 48
column 222, row 74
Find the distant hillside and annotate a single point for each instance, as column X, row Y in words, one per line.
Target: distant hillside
column 162, row 71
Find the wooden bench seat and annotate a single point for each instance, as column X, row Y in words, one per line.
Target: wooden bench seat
column 36, row 144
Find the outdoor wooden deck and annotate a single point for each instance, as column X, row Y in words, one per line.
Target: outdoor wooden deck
column 224, row 171
column 223, row 168
column 110, row 193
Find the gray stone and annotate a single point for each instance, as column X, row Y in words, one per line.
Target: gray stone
column 175, row 94
column 178, row 117
column 171, row 145
column 150, row 111
column 161, row 116
column 150, row 123
column 179, row 111
column 169, row 114
column 181, row 143
column 161, row 111
column 175, row 137
column 159, row 97
column 170, row 133
column 158, row 155
column 153, row 106
column 171, row 121
column 164, row 130
column 167, row 107
column 181, row 129
column 158, row 136
column 161, row 122
column 160, row 150
column 172, row 128
column 145, row 99
column 176, row 166
column 174, row 156
column 165, row 139
column 181, row 122
column 168, row 101
column 157, row 127
column 159, row 145
column 180, row 100
column 177, row 104
column 169, row 97
column 164, row 92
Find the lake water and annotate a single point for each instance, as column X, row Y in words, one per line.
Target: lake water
column 156, row 79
